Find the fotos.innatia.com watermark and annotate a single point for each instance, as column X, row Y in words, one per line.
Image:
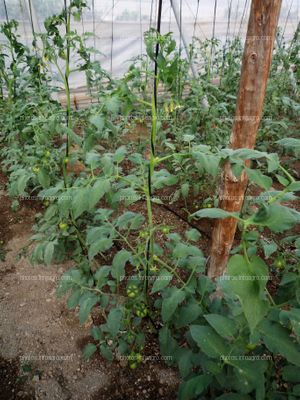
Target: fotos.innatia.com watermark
column 46, row 357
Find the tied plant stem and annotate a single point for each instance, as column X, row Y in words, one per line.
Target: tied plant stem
column 150, row 242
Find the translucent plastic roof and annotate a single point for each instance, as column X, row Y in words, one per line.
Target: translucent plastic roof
column 119, row 25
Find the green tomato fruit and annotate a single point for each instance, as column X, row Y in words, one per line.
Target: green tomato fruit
column 251, row 346
column 66, row 160
column 63, row 226
column 35, row 169
column 165, row 230
column 143, row 234
column 132, row 291
column 141, row 310
column 47, row 153
column 139, row 357
column 279, row 263
column 132, row 365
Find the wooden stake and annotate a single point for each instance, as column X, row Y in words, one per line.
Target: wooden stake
column 256, row 65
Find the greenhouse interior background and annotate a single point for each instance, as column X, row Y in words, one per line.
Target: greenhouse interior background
column 149, row 199
column 118, row 26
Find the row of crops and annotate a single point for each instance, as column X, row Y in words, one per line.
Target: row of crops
column 108, row 176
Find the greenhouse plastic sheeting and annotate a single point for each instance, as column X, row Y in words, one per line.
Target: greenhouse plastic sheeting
column 119, row 25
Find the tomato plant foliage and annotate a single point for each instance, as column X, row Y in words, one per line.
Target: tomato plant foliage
column 228, row 338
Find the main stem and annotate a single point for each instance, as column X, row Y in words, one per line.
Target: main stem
column 150, row 242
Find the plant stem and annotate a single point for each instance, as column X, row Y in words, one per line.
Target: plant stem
column 148, row 192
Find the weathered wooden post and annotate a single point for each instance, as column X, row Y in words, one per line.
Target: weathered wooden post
column 256, row 64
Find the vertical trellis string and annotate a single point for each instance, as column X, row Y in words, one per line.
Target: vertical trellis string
column 213, row 37
column 112, row 36
column 285, row 25
column 31, row 20
column 141, row 28
column 158, row 28
column 94, row 26
column 6, row 13
column 243, row 16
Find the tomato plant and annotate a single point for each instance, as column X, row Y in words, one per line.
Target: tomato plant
column 228, row 338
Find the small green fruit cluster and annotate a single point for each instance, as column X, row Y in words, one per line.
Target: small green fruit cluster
column 134, row 359
column 141, row 310
column 132, row 291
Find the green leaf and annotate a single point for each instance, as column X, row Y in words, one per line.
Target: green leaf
column 290, row 143
column 170, row 304
column 184, row 358
column 101, row 276
column 163, row 279
column 193, row 235
column 192, row 388
column 112, row 104
column 296, row 390
column 224, row 326
column 188, row 256
column 187, row 314
column 130, row 220
column 21, row 183
column 269, row 248
column 114, row 320
column 290, row 373
column 273, row 162
column 96, row 233
column 293, row 317
column 80, row 201
column 278, row 341
column 259, row 179
column 210, row 163
column 276, row 217
column 118, row 264
column 294, row 186
column 100, row 187
column 86, row 304
column 98, row 121
column 100, row 246
column 209, row 341
column 96, row 332
column 48, row 254
column 106, row 352
column 74, row 299
column 44, row 178
column 163, row 178
column 248, row 282
column 64, row 204
column 214, row 213
column 128, row 195
column 168, row 345
column 282, row 180
column 89, row 350
column 120, row 154
column 185, row 188
column 250, row 376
